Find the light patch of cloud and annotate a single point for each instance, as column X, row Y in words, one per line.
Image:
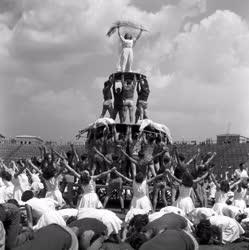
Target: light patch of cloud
column 57, row 50
column 210, row 84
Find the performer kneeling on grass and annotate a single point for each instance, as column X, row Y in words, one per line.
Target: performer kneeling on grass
column 114, row 182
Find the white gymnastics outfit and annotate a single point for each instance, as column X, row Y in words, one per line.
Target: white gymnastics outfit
column 53, row 190
column 126, row 56
column 220, row 202
column 140, row 197
column 184, row 200
column 231, row 229
column 239, row 199
column 89, row 198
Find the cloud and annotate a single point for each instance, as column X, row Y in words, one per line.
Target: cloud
column 209, row 87
column 55, row 56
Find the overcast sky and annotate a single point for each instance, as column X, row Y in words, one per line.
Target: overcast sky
column 54, row 58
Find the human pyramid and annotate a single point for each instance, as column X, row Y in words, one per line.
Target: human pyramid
column 51, row 201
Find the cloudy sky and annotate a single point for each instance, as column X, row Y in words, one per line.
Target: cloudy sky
column 54, row 58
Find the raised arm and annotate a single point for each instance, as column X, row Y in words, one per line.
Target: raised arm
column 129, row 157
column 32, row 165
column 138, row 36
column 124, row 177
column 100, row 154
column 232, row 185
column 173, row 177
column 95, row 177
column 120, row 36
column 210, row 159
column 75, row 153
column 194, row 157
column 156, row 177
column 157, row 155
column 115, row 133
column 65, row 164
column 21, row 169
column 215, row 181
column 201, row 178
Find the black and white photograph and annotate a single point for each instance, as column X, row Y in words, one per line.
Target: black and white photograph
column 124, row 125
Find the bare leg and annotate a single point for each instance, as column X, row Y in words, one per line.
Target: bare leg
column 131, row 114
column 104, row 109
column 121, row 118
column 141, row 112
column 155, row 198
column 137, row 115
column 121, row 202
column 110, row 110
column 106, row 201
column 163, row 192
column 125, row 109
column 114, row 114
column 133, row 168
column 145, row 116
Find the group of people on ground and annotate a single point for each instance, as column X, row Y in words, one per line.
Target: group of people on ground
column 54, row 198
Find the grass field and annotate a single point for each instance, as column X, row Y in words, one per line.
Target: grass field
column 234, row 246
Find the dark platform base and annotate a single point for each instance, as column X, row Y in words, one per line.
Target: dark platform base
column 127, row 75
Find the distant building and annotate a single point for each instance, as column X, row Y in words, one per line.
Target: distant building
column 2, row 138
column 231, row 139
column 27, row 139
column 209, row 141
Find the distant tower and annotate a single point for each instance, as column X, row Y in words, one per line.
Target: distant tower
column 229, row 124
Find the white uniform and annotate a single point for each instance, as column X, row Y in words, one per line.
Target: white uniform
column 231, row 229
column 126, row 57
column 220, row 202
column 140, row 197
column 184, row 200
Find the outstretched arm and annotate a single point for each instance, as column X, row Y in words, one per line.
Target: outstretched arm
column 95, row 177
column 21, row 169
column 100, row 154
column 193, row 158
column 123, row 177
column 32, row 165
column 65, row 164
column 120, row 36
column 210, row 159
column 232, row 185
column 201, row 178
column 129, row 157
column 173, row 177
column 157, row 155
column 75, row 153
column 215, row 181
column 138, row 36
column 156, row 177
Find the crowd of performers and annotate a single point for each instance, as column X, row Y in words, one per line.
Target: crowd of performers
column 63, row 209
column 123, row 96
